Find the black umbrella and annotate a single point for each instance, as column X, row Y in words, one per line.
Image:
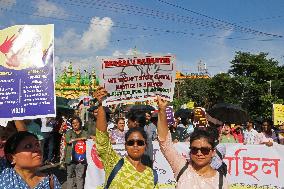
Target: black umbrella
column 183, row 113
column 142, row 108
column 228, row 113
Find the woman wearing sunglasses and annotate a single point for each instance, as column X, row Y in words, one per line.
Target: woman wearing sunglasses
column 197, row 173
column 127, row 172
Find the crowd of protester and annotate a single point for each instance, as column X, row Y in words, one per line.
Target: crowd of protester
column 29, row 144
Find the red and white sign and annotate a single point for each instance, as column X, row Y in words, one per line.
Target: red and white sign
column 137, row 78
column 249, row 166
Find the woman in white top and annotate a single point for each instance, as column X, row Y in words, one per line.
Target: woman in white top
column 197, row 174
column 267, row 135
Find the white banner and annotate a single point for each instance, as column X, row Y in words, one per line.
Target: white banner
column 255, row 165
column 249, row 166
column 137, row 78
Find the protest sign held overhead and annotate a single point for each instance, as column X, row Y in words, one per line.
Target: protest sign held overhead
column 278, row 114
column 27, row 72
column 137, row 78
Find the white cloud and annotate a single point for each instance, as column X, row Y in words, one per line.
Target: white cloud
column 117, row 53
column 49, row 9
column 95, row 38
column 81, row 48
column 127, row 52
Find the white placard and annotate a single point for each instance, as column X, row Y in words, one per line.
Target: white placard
column 137, row 78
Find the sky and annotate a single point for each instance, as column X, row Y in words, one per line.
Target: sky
column 192, row 30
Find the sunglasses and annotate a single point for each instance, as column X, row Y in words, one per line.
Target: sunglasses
column 203, row 150
column 138, row 142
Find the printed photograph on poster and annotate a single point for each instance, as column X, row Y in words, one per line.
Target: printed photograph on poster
column 27, row 72
column 137, row 78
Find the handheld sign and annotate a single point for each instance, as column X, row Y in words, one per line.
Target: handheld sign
column 137, row 78
column 27, row 72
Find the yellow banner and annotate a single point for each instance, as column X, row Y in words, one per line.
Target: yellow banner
column 190, row 105
column 278, row 114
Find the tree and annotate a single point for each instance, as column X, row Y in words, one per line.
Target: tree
column 254, row 82
column 254, row 74
column 196, row 90
column 223, row 88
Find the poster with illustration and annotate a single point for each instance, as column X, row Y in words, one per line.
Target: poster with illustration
column 27, row 72
column 137, row 78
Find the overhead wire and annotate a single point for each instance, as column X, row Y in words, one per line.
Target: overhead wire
column 131, row 26
column 194, row 35
column 137, row 11
column 148, row 28
column 219, row 20
column 128, row 26
column 119, row 40
column 262, row 19
column 162, row 15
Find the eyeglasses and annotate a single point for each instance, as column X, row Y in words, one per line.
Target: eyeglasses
column 138, row 142
column 203, row 150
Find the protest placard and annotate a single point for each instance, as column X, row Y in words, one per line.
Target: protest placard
column 137, row 78
column 27, row 72
column 278, row 114
column 199, row 117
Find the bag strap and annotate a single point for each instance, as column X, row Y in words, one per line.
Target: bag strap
column 113, row 173
column 220, row 180
column 51, row 181
column 182, row 170
column 155, row 177
column 277, row 137
column 219, row 154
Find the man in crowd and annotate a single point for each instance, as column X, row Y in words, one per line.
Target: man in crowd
column 150, row 128
column 90, row 126
column 250, row 134
column 47, row 125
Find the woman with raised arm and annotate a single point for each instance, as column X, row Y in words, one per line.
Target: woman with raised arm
column 127, row 172
column 197, row 173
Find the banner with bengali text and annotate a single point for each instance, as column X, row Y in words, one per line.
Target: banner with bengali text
column 249, row 166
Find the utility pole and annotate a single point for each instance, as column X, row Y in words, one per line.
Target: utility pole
column 269, row 91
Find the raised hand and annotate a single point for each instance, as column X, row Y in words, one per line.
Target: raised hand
column 162, row 104
column 162, row 119
column 99, row 94
column 101, row 124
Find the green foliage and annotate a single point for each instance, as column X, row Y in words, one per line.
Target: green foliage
column 193, row 90
column 254, row 82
